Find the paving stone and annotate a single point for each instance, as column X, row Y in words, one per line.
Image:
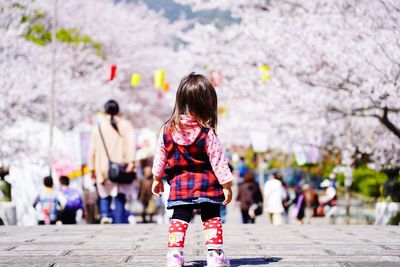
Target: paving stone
column 374, row 264
column 246, row 245
column 17, row 253
column 340, row 258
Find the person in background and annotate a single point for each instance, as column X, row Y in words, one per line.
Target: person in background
column 274, row 195
column 311, row 202
column 241, row 169
column 5, row 187
column 145, row 195
column 74, row 203
column 224, row 210
column 249, row 194
column 48, row 203
column 7, row 216
column 300, row 204
column 328, row 200
column 119, row 140
column 287, row 201
column 143, row 163
column 306, row 203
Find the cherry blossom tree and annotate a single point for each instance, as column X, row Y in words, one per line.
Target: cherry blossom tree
column 334, row 71
column 91, row 35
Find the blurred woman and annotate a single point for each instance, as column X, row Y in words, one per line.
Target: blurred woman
column 249, row 195
column 274, row 195
column 306, row 200
column 287, row 201
column 119, row 143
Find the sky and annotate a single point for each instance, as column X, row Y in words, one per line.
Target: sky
column 174, row 11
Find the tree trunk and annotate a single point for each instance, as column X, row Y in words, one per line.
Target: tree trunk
column 260, row 166
column 347, row 198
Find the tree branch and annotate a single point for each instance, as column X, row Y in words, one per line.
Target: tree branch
column 386, row 121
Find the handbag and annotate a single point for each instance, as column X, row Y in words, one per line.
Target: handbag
column 259, row 210
column 117, row 171
column 255, row 210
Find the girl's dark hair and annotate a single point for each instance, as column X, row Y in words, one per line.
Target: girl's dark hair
column 195, row 96
column 111, row 107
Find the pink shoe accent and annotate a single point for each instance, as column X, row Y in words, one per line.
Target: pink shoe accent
column 215, row 260
column 175, row 258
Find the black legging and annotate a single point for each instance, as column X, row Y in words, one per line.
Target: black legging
column 185, row 212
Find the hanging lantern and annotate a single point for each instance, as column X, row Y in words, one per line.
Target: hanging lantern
column 265, row 69
column 222, row 110
column 113, row 72
column 135, row 79
column 265, row 77
column 165, row 87
column 159, row 78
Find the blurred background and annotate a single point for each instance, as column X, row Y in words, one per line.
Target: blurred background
column 309, row 92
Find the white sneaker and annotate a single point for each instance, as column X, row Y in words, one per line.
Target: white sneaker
column 215, row 260
column 106, row 220
column 175, row 258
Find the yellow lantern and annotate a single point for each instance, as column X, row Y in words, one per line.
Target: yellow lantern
column 135, row 79
column 222, row 110
column 264, row 69
column 159, row 78
column 265, row 77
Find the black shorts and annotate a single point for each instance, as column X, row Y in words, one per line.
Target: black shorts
column 208, row 211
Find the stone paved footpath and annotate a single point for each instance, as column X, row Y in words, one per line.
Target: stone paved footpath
column 246, row 245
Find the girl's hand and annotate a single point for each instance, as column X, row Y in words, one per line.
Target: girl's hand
column 157, row 188
column 227, row 189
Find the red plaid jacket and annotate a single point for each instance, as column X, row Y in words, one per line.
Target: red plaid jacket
column 189, row 172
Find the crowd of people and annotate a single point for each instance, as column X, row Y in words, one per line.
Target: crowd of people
column 134, row 202
column 112, row 143
column 277, row 199
column 189, row 174
column 64, row 205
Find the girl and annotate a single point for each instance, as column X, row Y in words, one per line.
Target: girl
column 190, row 157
